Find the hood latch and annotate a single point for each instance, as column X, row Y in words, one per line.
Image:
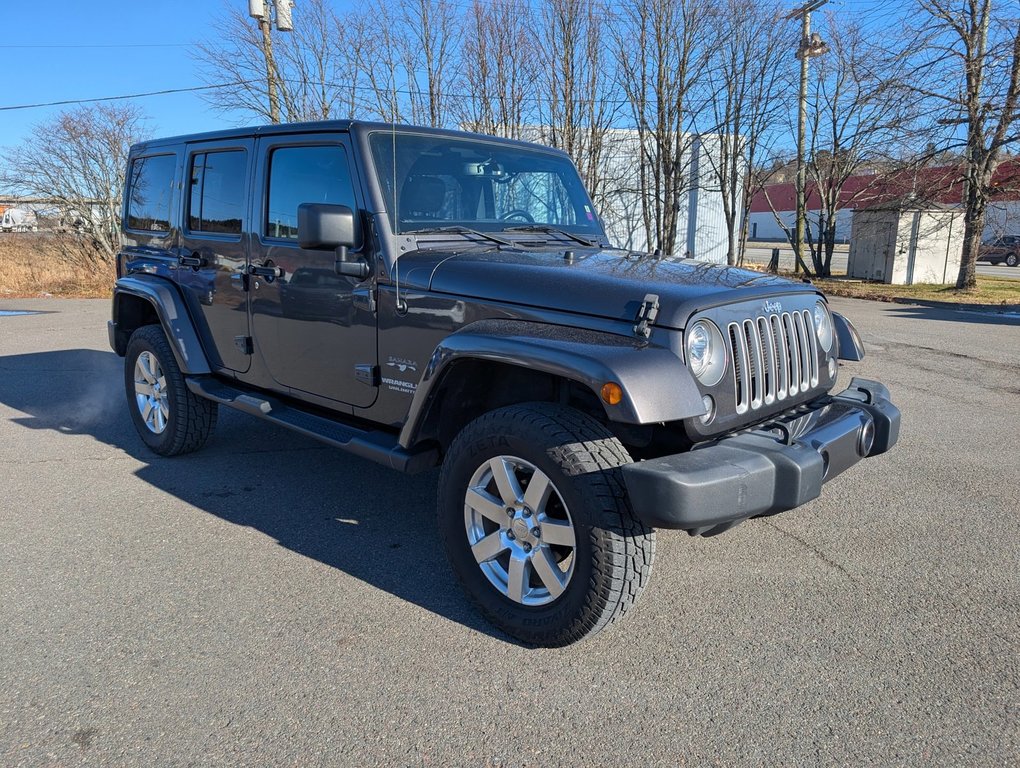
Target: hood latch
column 646, row 315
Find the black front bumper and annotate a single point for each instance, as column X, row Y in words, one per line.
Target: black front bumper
column 778, row 466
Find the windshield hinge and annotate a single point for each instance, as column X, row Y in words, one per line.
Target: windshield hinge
column 646, row 315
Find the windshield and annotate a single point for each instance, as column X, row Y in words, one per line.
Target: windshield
column 442, row 182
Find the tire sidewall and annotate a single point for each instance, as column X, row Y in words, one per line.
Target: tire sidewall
column 139, row 343
column 570, row 607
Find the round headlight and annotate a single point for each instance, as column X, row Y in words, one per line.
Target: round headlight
column 706, row 353
column 823, row 326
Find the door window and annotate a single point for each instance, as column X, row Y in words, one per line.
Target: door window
column 305, row 174
column 150, row 186
column 217, row 192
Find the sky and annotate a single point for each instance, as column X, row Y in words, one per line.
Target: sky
column 53, row 50
column 43, row 59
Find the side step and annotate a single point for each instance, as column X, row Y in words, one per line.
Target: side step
column 378, row 446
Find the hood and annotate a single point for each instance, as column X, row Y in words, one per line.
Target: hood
column 604, row 283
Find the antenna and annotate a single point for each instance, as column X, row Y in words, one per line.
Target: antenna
column 257, row 9
column 401, row 306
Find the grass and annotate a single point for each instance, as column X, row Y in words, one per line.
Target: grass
column 39, row 264
column 989, row 290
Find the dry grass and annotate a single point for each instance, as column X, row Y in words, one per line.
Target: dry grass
column 990, row 290
column 42, row 264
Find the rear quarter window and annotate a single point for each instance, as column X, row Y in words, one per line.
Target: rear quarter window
column 150, row 190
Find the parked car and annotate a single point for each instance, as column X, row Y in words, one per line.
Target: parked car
column 575, row 395
column 1001, row 250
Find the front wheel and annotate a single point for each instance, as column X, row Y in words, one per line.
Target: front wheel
column 534, row 516
column 1012, row 260
column 168, row 417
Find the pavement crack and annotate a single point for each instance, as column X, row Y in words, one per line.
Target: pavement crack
column 814, row 550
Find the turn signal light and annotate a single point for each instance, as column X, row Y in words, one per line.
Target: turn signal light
column 612, row 393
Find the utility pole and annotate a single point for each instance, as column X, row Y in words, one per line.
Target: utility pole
column 262, row 12
column 810, row 45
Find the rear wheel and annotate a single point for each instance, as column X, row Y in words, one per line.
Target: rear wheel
column 534, row 516
column 1012, row 260
column 170, row 419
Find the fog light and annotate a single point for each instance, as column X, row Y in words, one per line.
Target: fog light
column 866, row 439
column 709, row 404
column 832, row 367
column 612, row 393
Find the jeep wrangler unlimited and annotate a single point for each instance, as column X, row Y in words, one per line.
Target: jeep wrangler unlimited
column 428, row 298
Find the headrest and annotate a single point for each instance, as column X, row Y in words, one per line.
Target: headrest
column 422, row 196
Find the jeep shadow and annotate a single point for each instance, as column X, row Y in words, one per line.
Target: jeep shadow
column 319, row 502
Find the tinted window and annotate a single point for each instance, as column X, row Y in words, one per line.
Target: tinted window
column 305, row 175
column 217, row 192
column 151, row 182
column 432, row 181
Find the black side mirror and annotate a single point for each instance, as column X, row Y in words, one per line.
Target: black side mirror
column 322, row 227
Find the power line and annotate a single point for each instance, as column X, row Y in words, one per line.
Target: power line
column 164, row 92
column 98, row 45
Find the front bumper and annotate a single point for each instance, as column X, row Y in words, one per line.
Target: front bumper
column 778, row 466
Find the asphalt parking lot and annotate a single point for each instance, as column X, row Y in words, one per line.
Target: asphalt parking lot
column 270, row 601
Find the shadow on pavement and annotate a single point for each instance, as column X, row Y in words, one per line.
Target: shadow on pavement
column 343, row 511
column 961, row 315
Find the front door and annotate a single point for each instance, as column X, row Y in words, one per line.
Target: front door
column 313, row 330
column 212, row 252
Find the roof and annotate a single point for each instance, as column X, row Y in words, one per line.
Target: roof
column 915, row 188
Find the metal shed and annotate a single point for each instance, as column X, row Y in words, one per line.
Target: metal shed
column 903, row 246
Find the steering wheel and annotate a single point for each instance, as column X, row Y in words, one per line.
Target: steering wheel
column 518, row 213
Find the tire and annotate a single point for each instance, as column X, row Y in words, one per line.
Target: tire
column 182, row 422
column 1012, row 260
column 532, row 583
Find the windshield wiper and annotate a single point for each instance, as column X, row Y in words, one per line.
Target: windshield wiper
column 460, row 231
column 552, row 230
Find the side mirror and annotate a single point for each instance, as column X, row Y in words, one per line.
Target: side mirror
column 322, row 226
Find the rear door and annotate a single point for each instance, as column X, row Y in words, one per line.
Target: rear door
column 315, row 330
column 213, row 248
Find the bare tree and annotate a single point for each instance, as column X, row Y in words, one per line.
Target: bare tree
column 578, row 104
column 499, row 67
column 858, row 120
column 750, row 85
column 662, row 60
column 78, row 160
column 309, row 71
column 965, row 63
column 429, row 36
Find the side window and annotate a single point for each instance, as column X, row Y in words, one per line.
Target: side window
column 306, row 174
column 150, row 185
column 217, row 192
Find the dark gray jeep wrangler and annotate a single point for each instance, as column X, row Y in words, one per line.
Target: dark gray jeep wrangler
column 428, row 298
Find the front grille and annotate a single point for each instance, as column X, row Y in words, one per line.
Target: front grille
column 774, row 357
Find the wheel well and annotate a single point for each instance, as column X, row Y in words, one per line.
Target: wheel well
column 470, row 388
column 132, row 312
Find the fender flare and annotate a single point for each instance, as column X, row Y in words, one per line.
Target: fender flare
column 656, row 384
column 173, row 315
column 848, row 339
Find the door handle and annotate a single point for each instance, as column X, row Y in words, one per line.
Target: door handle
column 195, row 260
column 270, row 272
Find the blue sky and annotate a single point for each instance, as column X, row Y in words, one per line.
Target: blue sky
column 167, row 29
column 52, row 50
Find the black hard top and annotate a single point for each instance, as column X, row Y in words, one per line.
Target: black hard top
column 321, row 126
